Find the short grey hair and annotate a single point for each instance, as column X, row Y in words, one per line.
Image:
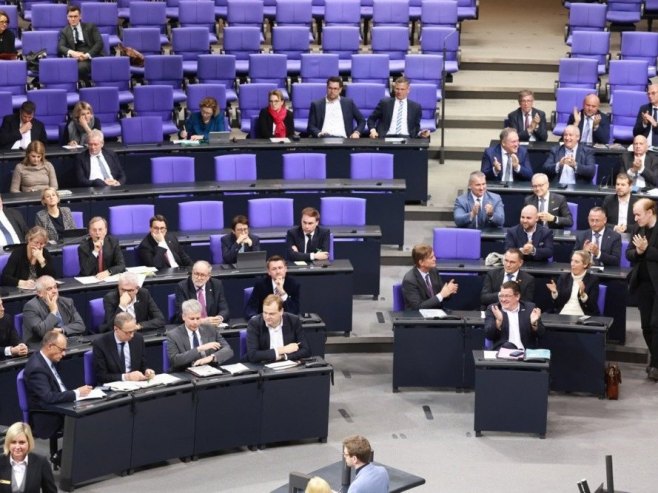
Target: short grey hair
column 122, row 319
column 129, row 277
column 96, row 134
column 40, row 284
column 191, row 306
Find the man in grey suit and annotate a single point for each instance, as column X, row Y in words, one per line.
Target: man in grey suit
column 80, row 40
column 552, row 208
column 334, row 116
column 49, row 311
column 422, row 286
column 368, row 477
column 193, row 344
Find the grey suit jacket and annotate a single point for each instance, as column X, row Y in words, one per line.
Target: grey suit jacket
column 43, row 219
column 182, row 355
column 414, row 290
column 37, row 319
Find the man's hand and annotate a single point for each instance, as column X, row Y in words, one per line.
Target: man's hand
column 620, row 228
column 209, row 346
column 51, row 301
column 546, row 217
column 449, row 289
column 288, row 348
column 591, row 247
column 216, row 320
column 576, row 116
column 534, row 316
column 496, row 165
column 373, row 133
column 581, row 288
column 37, row 255
column 425, row 134
column 149, row 374
column 552, row 287
column 355, row 135
column 528, row 248
column 158, row 237
column 125, row 299
column 196, row 137
column 206, row 360
column 102, row 275
column 637, row 165
column 111, row 182
column 535, row 122
column 321, row 255
column 84, row 390
column 244, row 238
column 515, row 162
column 489, row 209
column 25, row 127
column 596, row 120
column 641, row 244
column 278, row 282
column 19, row 350
column 135, row 376
column 647, row 119
column 475, row 210
column 498, row 315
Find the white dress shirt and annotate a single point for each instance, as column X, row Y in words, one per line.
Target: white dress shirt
column 396, row 108
column 514, row 331
column 276, row 337
column 95, row 164
column 333, row 119
column 622, row 216
column 18, row 470
column 8, row 226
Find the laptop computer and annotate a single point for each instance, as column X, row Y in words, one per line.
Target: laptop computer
column 219, row 137
column 251, row 260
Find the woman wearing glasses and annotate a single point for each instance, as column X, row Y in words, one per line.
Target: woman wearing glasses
column 7, row 38
column 208, row 119
column 275, row 120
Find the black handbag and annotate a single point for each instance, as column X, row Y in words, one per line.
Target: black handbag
column 32, row 59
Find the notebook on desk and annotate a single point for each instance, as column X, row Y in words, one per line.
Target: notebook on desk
column 251, row 260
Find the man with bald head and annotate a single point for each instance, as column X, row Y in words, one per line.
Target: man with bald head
column 640, row 165
column 570, row 163
column 534, row 240
column 646, row 122
column 507, row 161
column 552, row 207
column 593, row 125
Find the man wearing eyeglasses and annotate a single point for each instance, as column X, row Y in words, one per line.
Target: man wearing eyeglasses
column 240, row 240
column 130, row 298
column 49, row 311
column 207, row 291
column 121, row 354
column 160, row 249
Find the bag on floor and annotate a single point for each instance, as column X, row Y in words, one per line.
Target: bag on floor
column 612, row 381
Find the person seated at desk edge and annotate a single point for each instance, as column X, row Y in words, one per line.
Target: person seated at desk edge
column 646, row 122
column 600, row 240
column 120, row 355
column 208, row 119
column 422, row 286
column 12, row 226
column 552, row 207
column 100, row 255
column 49, row 311
column 368, row 477
column 533, row 240
column 478, row 208
column 274, row 335
column 308, row 241
column 10, row 344
column 130, row 298
column 160, row 249
column 641, row 166
column 388, row 117
column 276, row 281
column 512, row 321
column 53, row 218
column 82, row 122
column 34, row 173
column 81, row 41
column 207, row 290
column 576, row 292
column 334, row 115
column 27, row 263
column 528, row 121
column 593, row 125
column 19, row 129
column 618, row 207
column 275, row 121
column 195, row 344
column 570, row 163
column 507, row 161
column 239, row 240
column 98, row 167
column 510, row 271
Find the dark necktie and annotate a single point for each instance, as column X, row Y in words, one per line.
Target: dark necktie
column 122, row 356
column 597, row 239
column 510, row 277
column 477, row 216
column 508, row 170
column 428, row 284
column 100, row 260
column 654, row 130
column 76, row 36
column 195, row 340
column 308, row 242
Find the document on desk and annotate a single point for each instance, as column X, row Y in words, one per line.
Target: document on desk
column 157, row 380
column 432, row 313
column 94, row 280
column 96, row 393
column 280, row 140
column 490, row 354
column 537, row 355
column 204, row 371
column 236, row 369
column 282, row 365
column 142, row 269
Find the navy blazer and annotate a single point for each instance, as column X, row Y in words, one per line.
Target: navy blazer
column 610, row 246
column 263, row 288
column 83, row 168
column 602, row 133
column 529, row 337
column 38, row 475
column 295, row 237
column 147, row 313
column 350, row 111
column 182, row 355
column 564, row 287
column 381, row 117
column 258, row 339
column 112, row 257
column 17, row 221
column 10, row 131
column 650, row 173
column 414, row 290
column 216, row 303
column 153, row 255
column 611, row 207
column 462, row 211
column 493, row 280
column 107, row 362
column 230, row 248
column 639, row 128
column 8, row 335
column 585, row 167
column 558, row 206
column 525, row 171
column 542, row 239
column 517, row 121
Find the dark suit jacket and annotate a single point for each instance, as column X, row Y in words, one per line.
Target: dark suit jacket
column 37, row 319
column 182, row 355
column 350, row 114
column 107, row 362
column 258, row 339
column 524, row 173
column 564, row 287
column 8, row 335
column 649, row 258
column 585, row 167
column 112, row 257
column 93, row 42
column 493, row 279
column 639, row 128
column 517, row 122
column 83, row 168
column 18, row 267
column 10, row 131
column 414, row 290
column 42, row 392
column 38, row 475
column 230, row 248
column 265, row 123
column 602, row 133
column 529, row 337
column 263, row 288
column 147, row 313
column 650, row 173
column 380, row 118
column 542, row 239
column 557, row 205
column 215, row 300
column 155, row 256
column 295, row 237
column 611, row 207
column 610, row 246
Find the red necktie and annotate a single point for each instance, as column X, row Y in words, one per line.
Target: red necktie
column 100, row 260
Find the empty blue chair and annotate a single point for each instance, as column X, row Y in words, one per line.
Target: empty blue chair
column 456, row 243
column 48, row 16
column 241, row 41
column 425, row 95
column 624, row 113
column 624, row 12
column 579, row 73
column 156, row 101
column 141, row 130
column 270, row 213
column 201, row 215
column 216, row 255
column 371, row 68
column 303, row 94
column 344, row 41
column 371, row 166
column 60, row 73
column 628, row 75
column 567, row 98
column 149, row 14
column 440, row 40
column 294, row 13
column 390, row 13
column 318, row 67
column 235, row 167
column 34, row 41
column 269, row 68
column 585, row 17
column 304, row 166
column 640, row 46
column 130, row 219
column 146, row 40
column 104, row 15
column 165, row 70
column 190, row 43
column 398, row 298
column 52, row 109
column 70, row 261
column 245, row 13
column 199, row 13
column 172, row 169
column 468, row 9
column 78, row 219
column 22, row 396
column 13, row 76
column 165, row 356
column 573, row 209
column 342, row 211
column 113, row 71
column 394, row 41
column 366, row 96
column 218, row 69
column 291, row 41
column 97, row 311
column 439, row 13
column 171, row 305
column 343, row 13
column 593, row 45
column 88, row 368
column 18, row 323
column 424, row 68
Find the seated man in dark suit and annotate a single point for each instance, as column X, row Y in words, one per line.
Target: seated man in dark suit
column 534, row 240
column 80, row 40
column 641, row 166
column 207, row 290
column 120, row 355
column 388, row 118
column 160, row 249
column 10, row 344
column 308, row 241
column 98, row 167
column 646, row 122
column 593, row 125
column 334, row 116
column 239, row 240
column 422, row 286
column 529, row 122
column 601, row 241
column 275, row 282
column 49, row 311
column 552, row 207
column 130, row 298
column 12, row 226
column 274, row 335
column 510, row 271
column 500, row 326
column 619, row 206
column 100, row 255
column 507, row 161
column 19, row 129
column 570, row 163
column 194, row 344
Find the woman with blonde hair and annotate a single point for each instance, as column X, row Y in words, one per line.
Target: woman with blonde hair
column 576, row 292
column 33, row 173
column 27, row 263
column 318, row 485
column 53, row 218
column 20, row 468
column 81, row 124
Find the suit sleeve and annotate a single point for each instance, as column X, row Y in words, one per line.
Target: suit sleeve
column 289, row 122
column 292, row 254
column 587, row 167
column 462, row 215
column 498, row 218
column 413, row 300
column 10, row 274
column 8, row 133
column 88, row 263
column 300, row 338
column 551, row 167
column 640, row 128
column 614, row 257
column 488, row 295
column 529, row 289
column 360, row 120
column 510, row 240
column 545, row 251
column 63, row 44
column 486, row 165
column 34, row 326
column 225, row 352
column 103, row 374
column 591, row 305
column 111, row 309
column 96, row 41
column 291, row 305
column 179, row 359
column 180, row 298
column 564, row 214
column 313, row 128
column 541, row 134
column 155, row 318
column 38, row 383
column 223, row 304
column 252, row 307
column 118, row 263
column 185, row 259
column 229, row 249
column 149, row 256
column 75, row 325
column 263, row 125
column 376, row 116
column 602, row 133
column 40, row 133
column 117, row 172
column 254, row 353
column 525, row 171
column 47, row 479
column 82, row 175
column 491, row 332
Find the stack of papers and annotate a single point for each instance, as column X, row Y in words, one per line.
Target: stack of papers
column 537, row 355
column 96, row 393
column 432, row 313
column 508, row 353
column 204, row 371
column 161, row 379
column 236, row 368
column 282, row 365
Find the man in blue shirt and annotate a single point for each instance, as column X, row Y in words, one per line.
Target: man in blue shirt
column 368, row 477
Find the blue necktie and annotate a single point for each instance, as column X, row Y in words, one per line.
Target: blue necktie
column 5, row 232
